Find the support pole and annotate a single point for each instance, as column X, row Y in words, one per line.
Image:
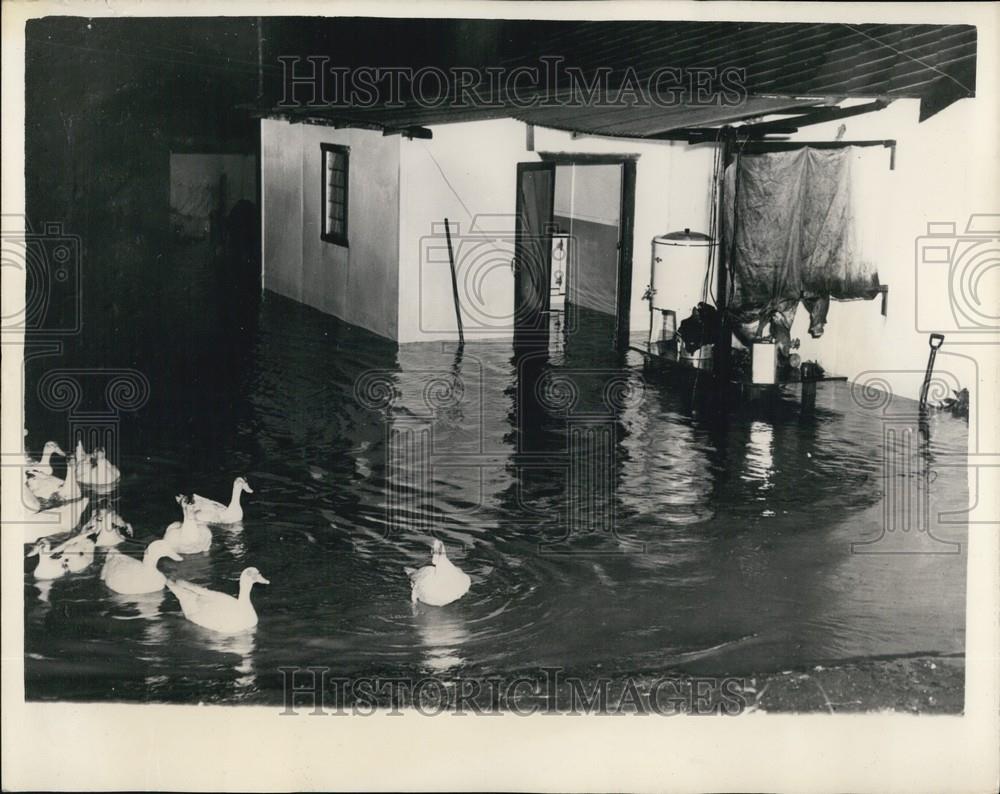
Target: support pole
column 454, row 285
column 724, row 342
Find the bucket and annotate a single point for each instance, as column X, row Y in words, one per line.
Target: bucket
column 765, row 362
column 700, row 358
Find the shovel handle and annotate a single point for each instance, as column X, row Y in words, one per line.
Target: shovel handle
column 936, row 341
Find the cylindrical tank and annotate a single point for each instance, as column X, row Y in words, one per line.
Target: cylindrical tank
column 680, row 266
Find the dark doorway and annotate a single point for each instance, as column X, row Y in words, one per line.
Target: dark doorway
column 577, row 209
column 533, row 250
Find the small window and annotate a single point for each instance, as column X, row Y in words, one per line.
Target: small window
column 334, row 200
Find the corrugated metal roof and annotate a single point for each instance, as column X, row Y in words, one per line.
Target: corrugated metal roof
column 786, row 65
column 780, row 58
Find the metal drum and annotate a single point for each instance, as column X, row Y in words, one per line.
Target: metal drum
column 679, row 270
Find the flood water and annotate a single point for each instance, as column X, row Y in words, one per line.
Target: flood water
column 612, row 519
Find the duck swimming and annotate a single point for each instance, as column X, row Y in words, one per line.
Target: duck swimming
column 109, row 528
column 439, row 583
column 129, row 576
column 98, row 471
column 208, row 511
column 188, row 536
column 47, row 486
column 39, row 477
column 44, row 466
column 28, row 499
column 50, row 566
column 70, row 488
column 55, row 520
column 80, row 458
column 78, row 552
column 219, row 611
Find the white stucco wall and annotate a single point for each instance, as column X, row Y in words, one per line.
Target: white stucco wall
column 467, row 173
column 357, row 283
column 281, row 207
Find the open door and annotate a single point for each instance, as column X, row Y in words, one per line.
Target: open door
column 533, row 250
column 626, row 228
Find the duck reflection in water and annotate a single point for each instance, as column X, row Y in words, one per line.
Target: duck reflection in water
column 146, row 607
column 239, row 652
column 231, row 536
column 44, row 588
column 442, row 633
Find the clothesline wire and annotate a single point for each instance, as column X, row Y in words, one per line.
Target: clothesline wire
column 451, row 187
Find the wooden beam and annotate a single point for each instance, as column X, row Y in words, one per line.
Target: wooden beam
column 422, row 133
column 817, row 116
column 585, row 158
column 787, row 126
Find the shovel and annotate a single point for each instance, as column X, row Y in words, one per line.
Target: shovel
column 935, row 342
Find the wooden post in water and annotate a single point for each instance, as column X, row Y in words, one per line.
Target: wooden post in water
column 454, row 286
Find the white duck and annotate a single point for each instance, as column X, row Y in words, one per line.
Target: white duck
column 49, row 565
column 81, row 459
column 44, row 466
column 129, row 576
column 55, row 520
column 78, row 552
column 28, row 499
column 39, row 477
column 208, row 511
column 439, row 583
column 188, row 536
column 70, row 488
column 219, row 611
column 109, row 528
column 99, row 472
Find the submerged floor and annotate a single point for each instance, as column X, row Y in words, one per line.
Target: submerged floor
column 610, row 519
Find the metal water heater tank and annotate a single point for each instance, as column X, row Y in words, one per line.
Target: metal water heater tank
column 680, row 266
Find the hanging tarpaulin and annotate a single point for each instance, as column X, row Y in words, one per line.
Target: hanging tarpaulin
column 792, row 232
